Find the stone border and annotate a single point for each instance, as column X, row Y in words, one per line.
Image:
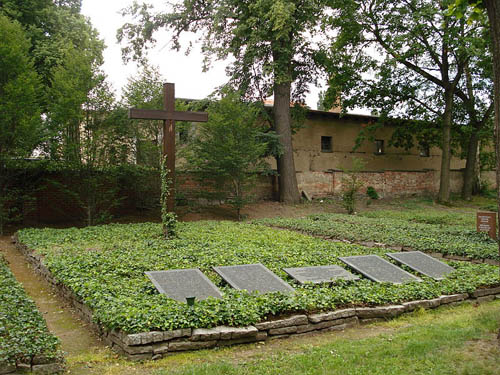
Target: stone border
column 37, row 365
column 156, row 344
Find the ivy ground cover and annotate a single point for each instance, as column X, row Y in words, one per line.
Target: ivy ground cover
column 23, row 331
column 105, row 265
column 446, row 233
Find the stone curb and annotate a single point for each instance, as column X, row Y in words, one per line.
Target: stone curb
column 156, row 344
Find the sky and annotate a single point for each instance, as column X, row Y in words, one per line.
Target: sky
column 185, row 71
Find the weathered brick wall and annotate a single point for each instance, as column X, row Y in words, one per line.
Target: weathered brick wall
column 386, row 183
column 51, row 204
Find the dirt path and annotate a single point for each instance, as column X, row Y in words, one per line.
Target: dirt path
column 75, row 335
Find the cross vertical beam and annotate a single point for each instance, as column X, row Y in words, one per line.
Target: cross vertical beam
column 169, row 115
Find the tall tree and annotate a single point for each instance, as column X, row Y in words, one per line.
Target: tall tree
column 20, row 122
column 425, row 52
column 270, row 40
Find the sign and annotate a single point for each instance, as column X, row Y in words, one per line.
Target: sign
column 487, row 222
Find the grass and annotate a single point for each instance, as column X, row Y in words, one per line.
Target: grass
column 449, row 340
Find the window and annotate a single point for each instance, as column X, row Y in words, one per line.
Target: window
column 424, row 151
column 379, row 146
column 326, row 144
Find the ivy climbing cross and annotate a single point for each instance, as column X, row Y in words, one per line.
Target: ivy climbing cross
column 169, row 115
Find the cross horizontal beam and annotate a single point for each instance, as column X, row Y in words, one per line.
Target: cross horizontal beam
column 158, row 114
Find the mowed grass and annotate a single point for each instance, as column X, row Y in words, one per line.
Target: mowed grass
column 448, row 340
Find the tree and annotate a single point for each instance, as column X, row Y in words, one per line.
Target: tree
column 227, row 152
column 20, row 122
column 271, row 41
column 145, row 91
column 425, row 55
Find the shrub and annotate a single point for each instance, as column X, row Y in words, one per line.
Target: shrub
column 371, row 192
column 351, row 184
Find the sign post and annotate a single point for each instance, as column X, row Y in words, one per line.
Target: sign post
column 487, row 222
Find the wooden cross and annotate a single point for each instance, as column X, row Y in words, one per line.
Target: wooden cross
column 169, row 115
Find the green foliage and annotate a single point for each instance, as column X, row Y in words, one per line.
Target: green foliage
column 23, row 331
column 20, row 123
column 227, row 155
column 437, row 233
column 105, row 265
column 371, row 192
column 145, row 91
column 351, row 183
column 169, row 219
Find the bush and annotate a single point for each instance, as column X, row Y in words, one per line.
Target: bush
column 371, row 192
column 351, row 184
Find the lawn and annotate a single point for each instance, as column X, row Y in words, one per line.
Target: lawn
column 446, row 232
column 447, row 340
column 105, row 265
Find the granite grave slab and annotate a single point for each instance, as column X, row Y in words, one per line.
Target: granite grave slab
column 378, row 269
column 423, row 263
column 252, row 277
column 184, row 283
column 319, row 274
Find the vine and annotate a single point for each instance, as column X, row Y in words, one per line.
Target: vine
column 169, row 219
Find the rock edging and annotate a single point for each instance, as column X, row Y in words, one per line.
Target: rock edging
column 156, row 344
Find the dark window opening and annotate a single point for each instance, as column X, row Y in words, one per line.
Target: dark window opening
column 326, row 144
column 379, row 146
column 424, row 151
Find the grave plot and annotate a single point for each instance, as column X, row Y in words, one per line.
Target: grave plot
column 398, row 232
column 319, row 274
column 103, row 269
column 378, row 269
column 423, row 263
column 253, row 278
column 25, row 341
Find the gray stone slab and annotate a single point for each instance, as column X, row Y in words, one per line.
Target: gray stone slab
column 319, row 274
column 378, row 269
column 180, row 284
column 423, row 263
column 252, row 277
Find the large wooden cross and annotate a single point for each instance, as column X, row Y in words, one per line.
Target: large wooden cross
column 169, row 115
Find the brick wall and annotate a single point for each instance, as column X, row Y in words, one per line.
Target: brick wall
column 51, row 204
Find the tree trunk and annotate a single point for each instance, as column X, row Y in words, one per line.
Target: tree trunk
column 444, row 183
column 289, row 191
column 470, row 172
column 493, row 9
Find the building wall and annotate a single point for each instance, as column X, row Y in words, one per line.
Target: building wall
column 344, row 131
